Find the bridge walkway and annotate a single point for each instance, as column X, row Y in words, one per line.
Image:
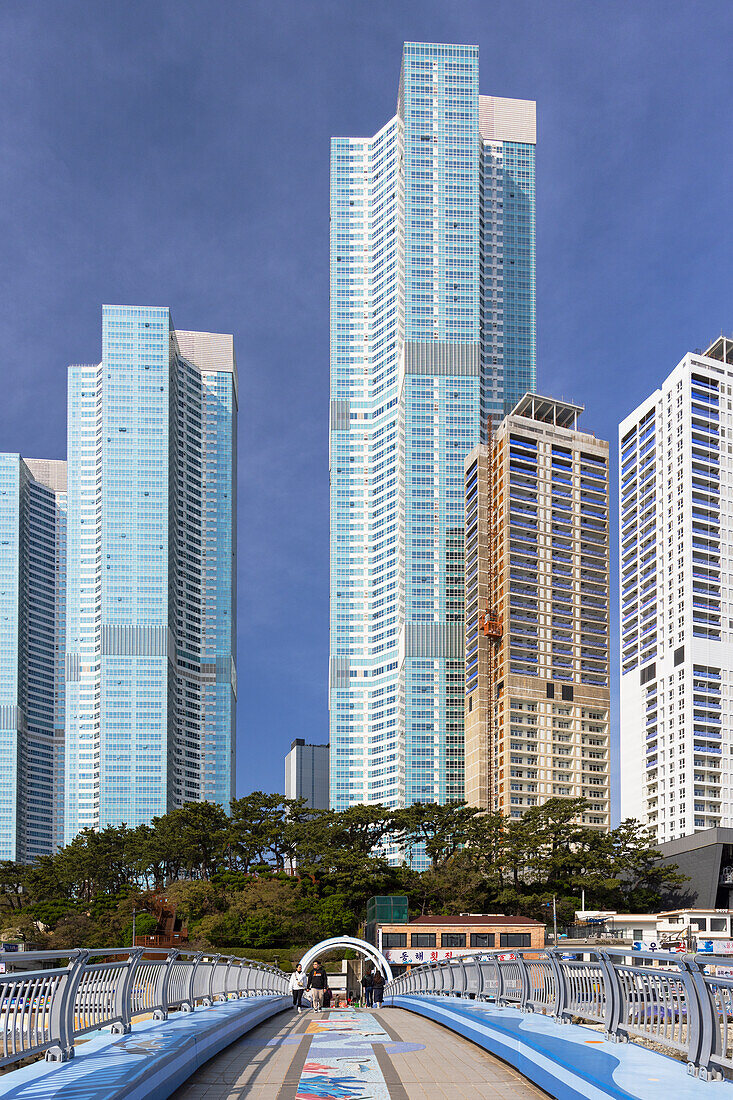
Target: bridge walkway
column 389, row 1054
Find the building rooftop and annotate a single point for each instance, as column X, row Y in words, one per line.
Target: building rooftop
column 721, row 349
column 475, row 918
column 562, row 414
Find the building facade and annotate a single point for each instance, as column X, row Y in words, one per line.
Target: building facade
column 151, row 593
column 537, row 614
column 676, row 500
column 32, row 602
column 306, row 774
column 432, row 334
column 433, row 938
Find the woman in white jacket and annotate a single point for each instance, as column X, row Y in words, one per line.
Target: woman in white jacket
column 298, row 982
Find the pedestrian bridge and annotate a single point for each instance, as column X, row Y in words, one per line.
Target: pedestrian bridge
column 601, row 1024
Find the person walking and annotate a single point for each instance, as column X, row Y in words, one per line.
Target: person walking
column 298, row 984
column 366, row 985
column 317, row 983
column 377, row 988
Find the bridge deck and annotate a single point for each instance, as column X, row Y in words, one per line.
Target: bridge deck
column 355, row 1054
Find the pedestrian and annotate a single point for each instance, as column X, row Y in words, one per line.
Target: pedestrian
column 317, row 983
column 366, row 984
column 298, row 984
column 377, row 988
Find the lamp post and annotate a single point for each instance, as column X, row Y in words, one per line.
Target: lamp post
column 134, row 914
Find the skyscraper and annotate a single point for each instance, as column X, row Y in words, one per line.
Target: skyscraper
column 537, row 625
column 150, row 642
column 306, row 773
column 432, row 334
column 676, row 580
column 32, row 579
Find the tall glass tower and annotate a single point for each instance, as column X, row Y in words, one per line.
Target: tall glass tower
column 432, row 340
column 32, row 580
column 150, row 641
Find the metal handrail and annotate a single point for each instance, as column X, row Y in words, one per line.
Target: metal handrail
column 70, row 993
column 677, row 1001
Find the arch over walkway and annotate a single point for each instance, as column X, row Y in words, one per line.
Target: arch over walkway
column 364, row 948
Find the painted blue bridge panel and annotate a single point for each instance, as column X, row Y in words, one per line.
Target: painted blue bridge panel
column 569, row 1061
column 148, row 1064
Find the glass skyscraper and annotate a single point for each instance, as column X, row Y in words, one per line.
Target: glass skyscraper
column 151, row 624
column 432, row 340
column 32, row 580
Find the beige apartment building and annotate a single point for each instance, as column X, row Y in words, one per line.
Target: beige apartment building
column 537, row 625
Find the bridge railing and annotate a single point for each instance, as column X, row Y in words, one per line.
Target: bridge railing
column 65, row 994
column 680, row 1002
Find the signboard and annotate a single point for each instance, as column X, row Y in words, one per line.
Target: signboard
column 715, row 947
column 675, row 947
column 428, row 954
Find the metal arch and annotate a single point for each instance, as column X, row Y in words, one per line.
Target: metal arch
column 361, row 946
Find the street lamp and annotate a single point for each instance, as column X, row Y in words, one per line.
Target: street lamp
column 134, row 914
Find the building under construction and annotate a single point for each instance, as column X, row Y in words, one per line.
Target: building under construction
column 537, row 625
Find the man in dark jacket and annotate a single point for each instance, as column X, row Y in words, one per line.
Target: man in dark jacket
column 366, row 985
column 317, row 983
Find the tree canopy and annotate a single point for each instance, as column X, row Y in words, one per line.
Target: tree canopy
column 273, row 872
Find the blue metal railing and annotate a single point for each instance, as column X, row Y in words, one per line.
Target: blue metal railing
column 65, row 994
column 677, row 1001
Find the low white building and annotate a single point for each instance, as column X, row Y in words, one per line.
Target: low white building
column 688, row 929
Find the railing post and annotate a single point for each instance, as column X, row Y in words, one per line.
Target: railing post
column 161, row 986
column 524, row 999
column 500, row 983
column 561, row 990
column 479, row 979
column 123, row 994
column 189, row 1001
column 208, row 1000
column 240, row 972
column 61, row 1022
column 703, row 1032
column 225, row 990
column 614, row 1008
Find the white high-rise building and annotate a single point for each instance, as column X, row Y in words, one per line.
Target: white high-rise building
column 676, row 580
column 432, row 337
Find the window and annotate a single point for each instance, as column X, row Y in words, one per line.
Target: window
column 453, row 939
column 699, row 923
column 482, row 939
column 637, row 933
column 394, row 939
column 718, row 924
column 516, row 939
column 550, row 691
column 422, row 939
column 567, row 693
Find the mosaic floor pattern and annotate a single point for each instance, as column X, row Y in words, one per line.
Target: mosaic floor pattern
column 342, row 1062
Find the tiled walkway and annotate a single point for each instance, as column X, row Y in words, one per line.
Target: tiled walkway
column 354, row 1056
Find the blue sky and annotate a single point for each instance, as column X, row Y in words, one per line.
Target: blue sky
column 176, row 153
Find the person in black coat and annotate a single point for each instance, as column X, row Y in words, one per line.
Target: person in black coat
column 317, row 984
column 366, row 985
